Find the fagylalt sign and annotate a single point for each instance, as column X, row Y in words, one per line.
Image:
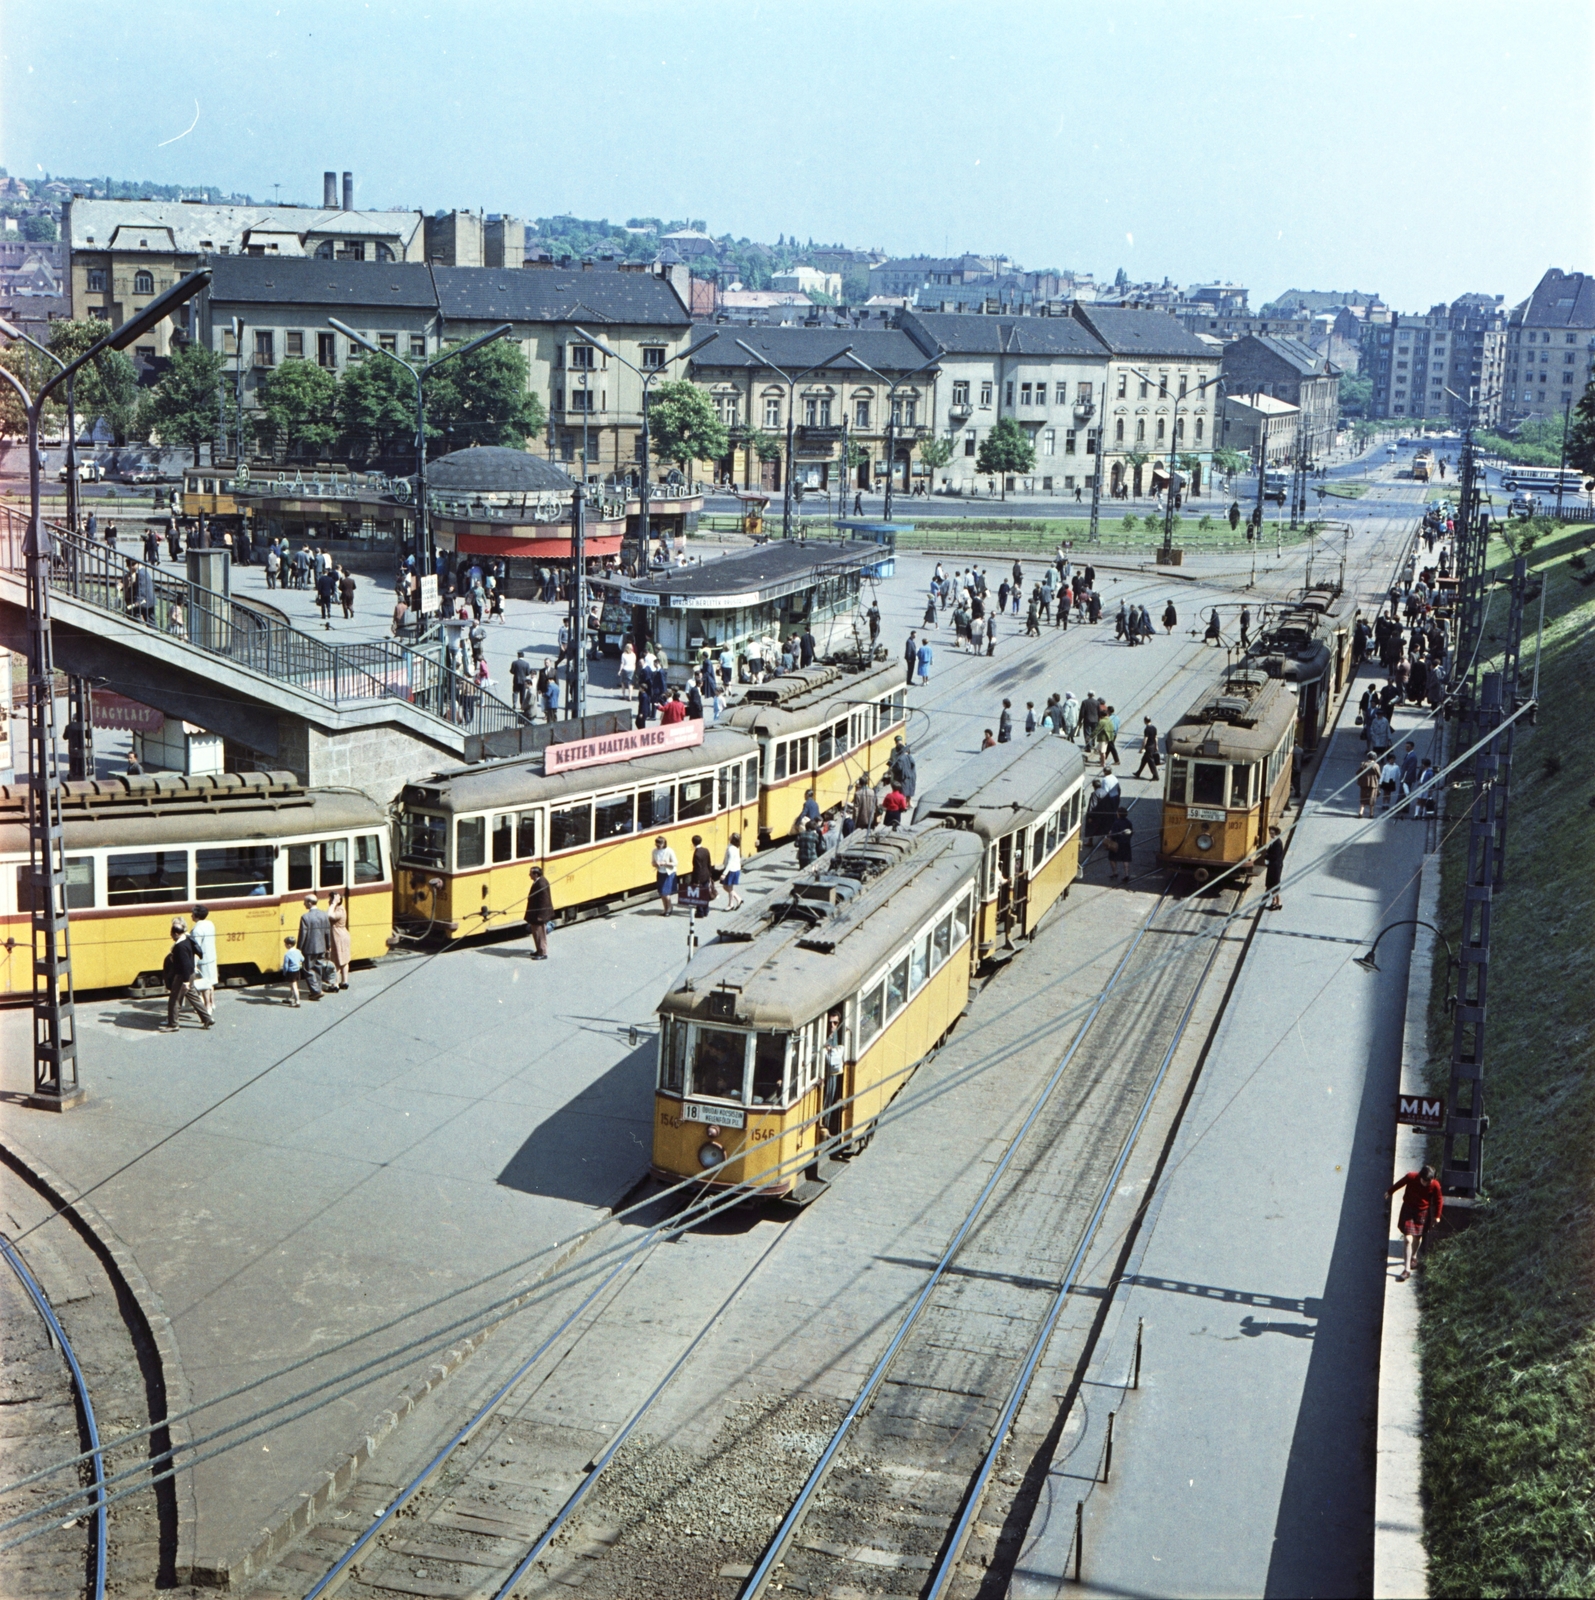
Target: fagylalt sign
column 609, row 747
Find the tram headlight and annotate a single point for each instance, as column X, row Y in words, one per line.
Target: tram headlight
column 1204, row 841
column 710, row 1155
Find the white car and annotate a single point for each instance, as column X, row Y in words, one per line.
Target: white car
column 88, row 472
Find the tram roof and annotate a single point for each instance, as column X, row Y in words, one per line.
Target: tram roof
column 172, row 809
column 750, row 577
column 833, row 932
column 993, row 797
column 520, row 781
column 797, row 700
column 1241, row 715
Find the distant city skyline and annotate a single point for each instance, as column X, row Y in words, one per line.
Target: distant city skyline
column 1422, row 152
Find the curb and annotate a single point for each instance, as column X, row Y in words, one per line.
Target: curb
column 1400, row 1563
column 179, row 1396
column 302, row 1511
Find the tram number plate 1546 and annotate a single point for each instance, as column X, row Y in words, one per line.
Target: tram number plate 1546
column 1201, row 814
column 720, row 1116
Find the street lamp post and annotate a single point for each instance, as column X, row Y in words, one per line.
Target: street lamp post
column 791, row 408
column 423, row 542
column 640, row 570
column 56, row 1083
column 891, row 417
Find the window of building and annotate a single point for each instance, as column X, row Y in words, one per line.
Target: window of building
column 327, row 350
column 1183, row 381
column 265, row 347
column 811, row 413
column 772, row 413
column 861, row 413
column 985, row 396
column 582, row 400
column 825, row 411
column 1062, row 394
column 1199, row 422
column 294, row 346
column 1160, row 428
column 143, row 283
column 1124, row 384
column 1024, row 394
column 1049, row 441
column 1140, row 429
column 417, row 346
column 388, row 343
column 653, row 357
column 581, row 356
column 961, row 396
column 1118, row 431
column 1068, row 442
column 1091, row 437
column 1007, row 394
column 969, row 442
column 96, row 277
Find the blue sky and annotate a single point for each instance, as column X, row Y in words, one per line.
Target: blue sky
column 1418, row 148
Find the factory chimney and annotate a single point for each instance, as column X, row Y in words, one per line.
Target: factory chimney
column 348, row 191
column 329, row 190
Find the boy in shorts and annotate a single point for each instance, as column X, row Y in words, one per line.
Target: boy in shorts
column 293, row 963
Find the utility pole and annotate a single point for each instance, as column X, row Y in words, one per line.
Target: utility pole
column 578, row 599
column 1511, row 660
column 1567, row 415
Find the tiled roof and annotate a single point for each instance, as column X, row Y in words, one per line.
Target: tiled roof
column 1140, row 333
column 953, row 333
column 1562, row 300
column 467, row 294
column 795, row 349
column 191, row 229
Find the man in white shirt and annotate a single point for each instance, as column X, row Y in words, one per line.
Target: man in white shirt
column 203, row 933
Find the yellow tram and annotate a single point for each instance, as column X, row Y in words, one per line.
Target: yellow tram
column 467, row 839
column 1228, row 773
column 141, row 850
column 820, row 728
column 1024, row 802
column 869, row 951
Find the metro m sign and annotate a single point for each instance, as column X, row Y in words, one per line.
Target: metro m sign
column 1421, row 1110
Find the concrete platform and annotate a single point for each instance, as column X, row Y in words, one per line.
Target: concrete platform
column 1245, row 1464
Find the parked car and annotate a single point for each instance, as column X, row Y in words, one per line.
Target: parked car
column 146, row 475
column 1523, row 505
column 88, row 472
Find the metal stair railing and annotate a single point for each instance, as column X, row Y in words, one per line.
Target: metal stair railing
column 120, row 585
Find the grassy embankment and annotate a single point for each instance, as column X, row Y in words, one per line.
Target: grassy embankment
column 1508, row 1306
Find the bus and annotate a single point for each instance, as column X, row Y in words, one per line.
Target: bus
column 1545, row 480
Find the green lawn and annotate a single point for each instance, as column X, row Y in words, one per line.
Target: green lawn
column 1344, row 491
column 1508, row 1307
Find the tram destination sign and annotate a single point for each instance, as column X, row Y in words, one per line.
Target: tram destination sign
column 715, row 1116
column 608, row 747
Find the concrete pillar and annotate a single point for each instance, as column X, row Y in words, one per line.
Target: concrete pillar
column 209, row 621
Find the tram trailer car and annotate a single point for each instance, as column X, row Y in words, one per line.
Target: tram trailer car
column 1025, row 807
column 1337, row 623
column 141, row 850
column 820, row 728
column 870, row 947
column 1228, row 774
column 468, row 839
column 1293, row 651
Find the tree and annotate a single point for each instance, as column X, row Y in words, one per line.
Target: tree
column 764, row 445
column 683, row 426
column 855, row 284
column 40, row 228
column 376, row 408
column 32, row 370
column 935, row 453
column 182, row 408
column 1581, row 434
column 1231, row 461
column 299, row 403
column 108, row 388
column 483, row 398
column 1356, row 390
column 1007, row 448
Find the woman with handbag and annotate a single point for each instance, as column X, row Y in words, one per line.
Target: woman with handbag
column 338, row 916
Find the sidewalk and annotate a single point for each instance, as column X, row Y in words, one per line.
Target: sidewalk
column 1245, row 1464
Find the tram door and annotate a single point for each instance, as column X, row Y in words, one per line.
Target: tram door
column 1021, row 882
column 1004, row 883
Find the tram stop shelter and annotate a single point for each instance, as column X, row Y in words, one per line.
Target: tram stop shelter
column 747, row 602
column 882, row 533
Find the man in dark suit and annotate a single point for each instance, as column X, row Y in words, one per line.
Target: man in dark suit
column 315, row 941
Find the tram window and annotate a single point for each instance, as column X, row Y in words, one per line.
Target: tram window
column 770, row 1052
column 503, row 838
column 941, row 942
column 822, row 753
column 672, row 1043
column 470, row 842
column 421, row 839
column 1239, row 785
column 800, row 754
column 367, row 858
column 335, row 862
column 613, row 816
column 1052, row 833
column 656, row 807
column 883, row 714
column 899, row 701
column 871, row 1014
column 1177, row 769
column 719, row 1060
column 919, row 964
column 1038, row 846
column 1207, row 784
column 234, row 871
column 696, row 799
column 149, row 877
column 780, row 761
column 896, row 988
column 525, row 835
column 729, row 780
column 570, row 826
column 301, row 868
column 750, row 780
column 842, row 745
column 961, row 920
column 79, row 884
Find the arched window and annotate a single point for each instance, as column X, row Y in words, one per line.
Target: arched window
column 1140, row 429
column 324, row 250
column 1118, row 431
column 1179, row 428
column 1160, row 426
column 143, row 283
column 384, row 252
column 1199, row 421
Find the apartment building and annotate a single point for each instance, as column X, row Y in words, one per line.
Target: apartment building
column 1288, row 370
column 1448, row 366
column 1549, row 350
